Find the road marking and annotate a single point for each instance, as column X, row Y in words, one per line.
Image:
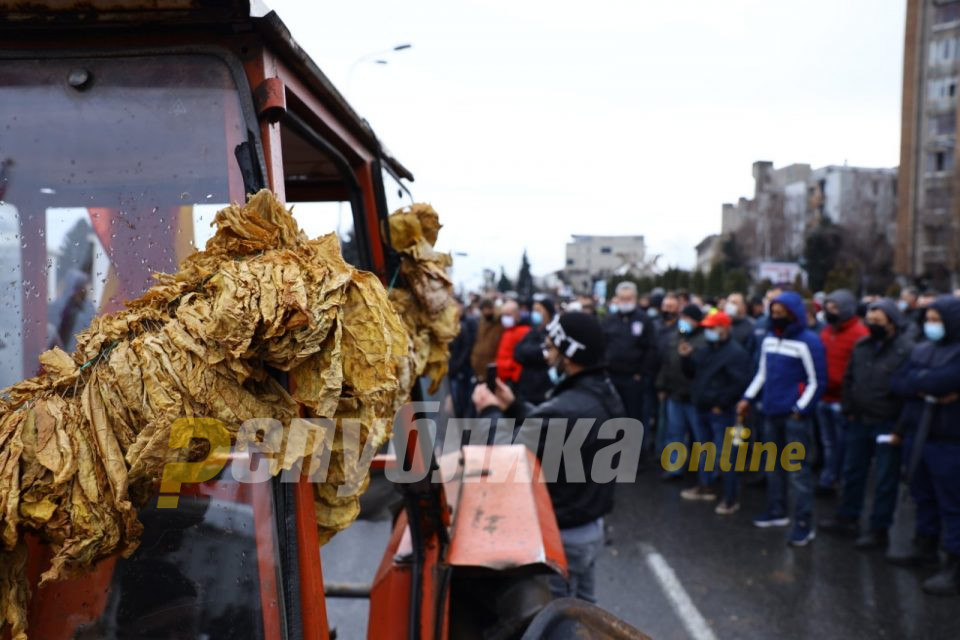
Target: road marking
column 695, row 624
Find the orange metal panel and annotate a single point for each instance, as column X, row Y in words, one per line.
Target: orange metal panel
column 505, row 518
column 390, row 593
column 315, row 625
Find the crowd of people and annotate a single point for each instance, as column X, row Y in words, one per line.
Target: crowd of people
column 849, row 383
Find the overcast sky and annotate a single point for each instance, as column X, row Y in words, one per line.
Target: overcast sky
column 526, row 121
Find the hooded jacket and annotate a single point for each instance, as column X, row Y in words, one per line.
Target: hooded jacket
column 933, row 369
column 586, row 395
column 839, row 340
column 793, row 368
column 866, row 384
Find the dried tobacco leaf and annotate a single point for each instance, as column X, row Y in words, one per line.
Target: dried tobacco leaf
column 76, row 438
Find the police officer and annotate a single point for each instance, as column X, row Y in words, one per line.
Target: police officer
column 930, row 420
column 629, row 335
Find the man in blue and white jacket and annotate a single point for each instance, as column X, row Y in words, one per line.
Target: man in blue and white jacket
column 791, row 377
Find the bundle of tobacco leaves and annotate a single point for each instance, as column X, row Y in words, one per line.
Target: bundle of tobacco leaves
column 83, row 444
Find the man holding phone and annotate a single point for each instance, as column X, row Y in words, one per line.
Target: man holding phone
column 575, row 348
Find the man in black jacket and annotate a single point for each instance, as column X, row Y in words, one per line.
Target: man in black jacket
column 929, row 383
column 681, row 415
column 721, row 372
column 534, row 382
column 461, row 373
column 629, row 335
column 584, row 395
column 871, row 410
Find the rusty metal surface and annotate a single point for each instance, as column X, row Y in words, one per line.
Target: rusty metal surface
column 270, row 98
column 569, row 618
column 505, row 519
column 62, row 12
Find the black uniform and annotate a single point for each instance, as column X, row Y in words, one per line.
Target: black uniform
column 629, row 356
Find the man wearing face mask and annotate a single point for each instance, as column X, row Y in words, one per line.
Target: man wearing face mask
column 742, row 328
column 930, row 384
column 844, row 329
column 789, row 383
column 871, row 410
column 488, row 339
column 628, row 332
column 535, row 380
column 514, row 330
column 681, row 414
column 720, row 373
column 575, row 348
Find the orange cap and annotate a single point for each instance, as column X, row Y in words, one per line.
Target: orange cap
column 716, row 319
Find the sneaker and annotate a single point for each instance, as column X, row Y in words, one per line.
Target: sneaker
column 767, row 520
column 724, row 509
column 699, row 492
column 801, row 535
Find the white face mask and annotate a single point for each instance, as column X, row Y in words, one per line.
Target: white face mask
column 508, row 321
column 731, row 309
column 627, row 307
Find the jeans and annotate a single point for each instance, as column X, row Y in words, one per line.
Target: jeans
column 781, row 430
column 582, row 546
column 935, row 487
column 682, row 419
column 712, row 427
column 832, row 429
column 861, row 447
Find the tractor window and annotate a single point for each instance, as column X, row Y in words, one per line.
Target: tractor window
column 110, row 170
column 104, row 163
column 397, row 193
column 322, row 189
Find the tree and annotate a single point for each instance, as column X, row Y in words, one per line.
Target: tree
column 525, row 288
column 716, row 281
column 698, row 283
column 821, row 252
column 504, row 284
column 736, row 280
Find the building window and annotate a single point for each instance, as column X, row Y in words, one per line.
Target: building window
column 943, row 124
column 941, row 89
column 606, row 249
column 940, row 161
column 946, row 12
column 569, row 262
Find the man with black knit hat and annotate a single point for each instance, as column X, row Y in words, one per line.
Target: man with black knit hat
column 681, row 414
column 871, row 410
column 574, row 348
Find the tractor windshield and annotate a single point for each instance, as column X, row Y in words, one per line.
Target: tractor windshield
column 111, row 169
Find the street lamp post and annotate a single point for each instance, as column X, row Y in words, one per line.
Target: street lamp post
column 377, row 57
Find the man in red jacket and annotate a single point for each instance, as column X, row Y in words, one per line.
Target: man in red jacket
column 509, row 369
column 844, row 329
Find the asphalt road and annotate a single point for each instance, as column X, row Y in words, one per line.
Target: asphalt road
column 741, row 582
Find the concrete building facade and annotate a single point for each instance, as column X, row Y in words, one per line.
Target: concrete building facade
column 928, row 204
column 790, row 201
column 591, row 258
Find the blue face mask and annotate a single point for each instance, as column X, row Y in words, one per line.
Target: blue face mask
column 613, row 308
column 684, row 326
column 934, row 331
column 712, row 335
column 536, row 317
column 555, row 377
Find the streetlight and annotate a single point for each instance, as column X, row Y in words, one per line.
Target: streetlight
column 376, row 57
